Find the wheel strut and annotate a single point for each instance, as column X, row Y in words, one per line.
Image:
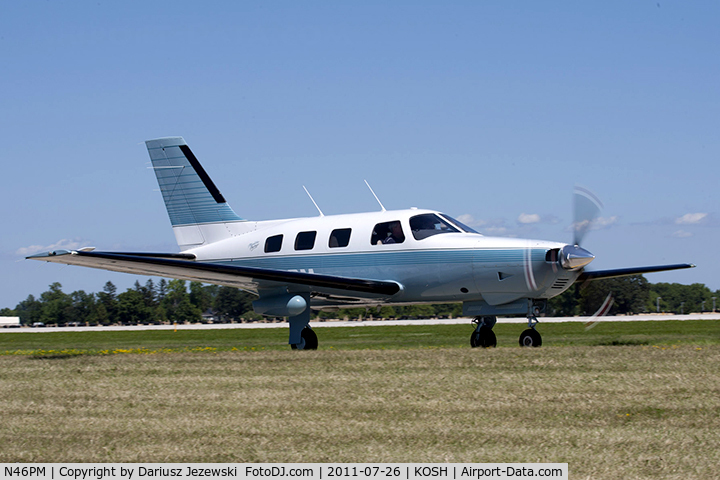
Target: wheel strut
column 530, row 337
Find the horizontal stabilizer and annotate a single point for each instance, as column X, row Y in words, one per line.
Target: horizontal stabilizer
column 623, row 272
column 248, row 278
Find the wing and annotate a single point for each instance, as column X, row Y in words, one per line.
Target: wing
column 183, row 266
column 622, row 272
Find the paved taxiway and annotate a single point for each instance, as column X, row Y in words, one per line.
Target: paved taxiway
column 361, row 323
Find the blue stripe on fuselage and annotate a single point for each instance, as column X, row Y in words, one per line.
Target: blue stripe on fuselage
column 344, row 261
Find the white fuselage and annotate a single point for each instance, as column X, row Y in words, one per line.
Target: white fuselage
column 453, row 266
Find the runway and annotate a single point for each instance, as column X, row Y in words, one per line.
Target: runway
column 359, row 323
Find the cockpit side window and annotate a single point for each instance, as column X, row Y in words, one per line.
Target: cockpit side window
column 428, row 224
column 387, row 232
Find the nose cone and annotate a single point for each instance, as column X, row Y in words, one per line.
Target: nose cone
column 573, row 257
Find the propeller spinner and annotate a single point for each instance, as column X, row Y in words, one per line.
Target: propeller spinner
column 573, row 257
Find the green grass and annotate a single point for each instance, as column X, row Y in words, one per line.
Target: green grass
column 690, row 332
column 623, row 400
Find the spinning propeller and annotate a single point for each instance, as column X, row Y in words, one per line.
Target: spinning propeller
column 586, row 208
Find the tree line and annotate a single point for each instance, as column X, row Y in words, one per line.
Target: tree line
column 634, row 295
column 177, row 301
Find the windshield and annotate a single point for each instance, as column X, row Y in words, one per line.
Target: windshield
column 461, row 225
column 428, row 224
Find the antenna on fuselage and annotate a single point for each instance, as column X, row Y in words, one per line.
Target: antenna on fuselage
column 313, row 200
column 376, row 197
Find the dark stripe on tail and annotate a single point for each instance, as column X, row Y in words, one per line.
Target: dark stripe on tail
column 202, row 174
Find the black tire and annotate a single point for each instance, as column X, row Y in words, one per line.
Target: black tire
column 309, row 340
column 530, row 338
column 484, row 337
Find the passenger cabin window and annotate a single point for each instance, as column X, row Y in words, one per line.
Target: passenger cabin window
column 305, row 240
column 429, row 224
column 340, row 238
column 388, row 232
column 273, row 244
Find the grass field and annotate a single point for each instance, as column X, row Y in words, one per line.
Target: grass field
column 624, row 400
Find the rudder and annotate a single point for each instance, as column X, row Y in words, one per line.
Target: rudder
column 191, row 198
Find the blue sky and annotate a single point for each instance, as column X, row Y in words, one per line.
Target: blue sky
column 489, row 111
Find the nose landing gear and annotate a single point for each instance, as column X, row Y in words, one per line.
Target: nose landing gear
column 531, row 337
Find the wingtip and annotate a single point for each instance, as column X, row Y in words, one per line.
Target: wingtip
column 52, row 253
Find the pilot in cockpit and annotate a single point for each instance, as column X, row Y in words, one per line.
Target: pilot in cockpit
column 395, row 233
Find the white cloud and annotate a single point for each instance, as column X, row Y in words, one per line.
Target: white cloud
column 681, row 234
column 691, row 218
column 599, row 223
column 526, row 218
column 604, row 222
column 495, row 226
column 63, row 244
column 468, row 220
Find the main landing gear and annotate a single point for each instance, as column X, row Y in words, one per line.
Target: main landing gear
column 483, row 336
column 302, row 336
column 308, row 340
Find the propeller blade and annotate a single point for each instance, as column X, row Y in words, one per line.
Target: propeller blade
column 586, row 208
column 602, row 311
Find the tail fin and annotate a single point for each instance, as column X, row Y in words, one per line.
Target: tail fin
column 194, row 204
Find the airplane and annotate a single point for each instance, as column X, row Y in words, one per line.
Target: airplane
column 386, row 257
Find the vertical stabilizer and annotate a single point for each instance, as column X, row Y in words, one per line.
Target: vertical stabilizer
column 194, row 204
